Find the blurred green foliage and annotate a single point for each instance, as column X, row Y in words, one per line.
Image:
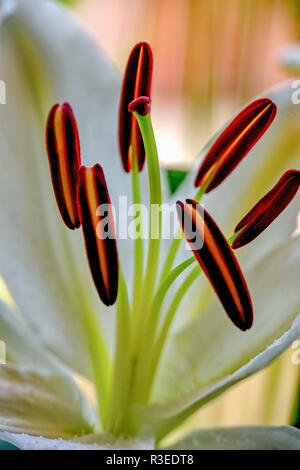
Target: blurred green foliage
column 297, row 2
column 67, row 2
column 175, row 178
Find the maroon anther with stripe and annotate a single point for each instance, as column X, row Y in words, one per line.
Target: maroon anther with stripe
column 218, row 262
column 235, row 142
column 63, row 149
column 99, row 233
column 136, row 82
column 267, row 209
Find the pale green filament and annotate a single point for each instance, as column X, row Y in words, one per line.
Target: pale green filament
column 160, row 342
column 234, row 236
column 162, row 292
column 179, row 235
column 146, row 129
column 155, row 198
column 151, row 326
column 138, row 245
column 120, row 382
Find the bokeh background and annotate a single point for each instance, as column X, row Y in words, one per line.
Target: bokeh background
column 211, row 57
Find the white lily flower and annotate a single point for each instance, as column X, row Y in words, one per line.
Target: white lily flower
column 57, row 390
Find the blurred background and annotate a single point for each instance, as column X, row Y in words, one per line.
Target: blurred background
column 211, row 57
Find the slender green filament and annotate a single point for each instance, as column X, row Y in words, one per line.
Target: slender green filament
column 179, row 236
column 120, row 382
column 155, row 223
column 138, row 243
column 160, row 342
column 151, row 327
column 155, row 199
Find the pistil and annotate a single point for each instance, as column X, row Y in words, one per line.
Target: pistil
column 140, row 109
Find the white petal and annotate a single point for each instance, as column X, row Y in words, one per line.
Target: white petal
column 244, row 438
column 42, row 403
column 40, row 67
column 6, row 8
column 22, row 347
column 211, row 354
column 89, row 442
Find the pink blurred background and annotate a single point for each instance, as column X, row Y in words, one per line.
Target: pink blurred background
column 210, row 57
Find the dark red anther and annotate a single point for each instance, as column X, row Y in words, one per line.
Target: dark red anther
column 99, row 233
column 218, row 262
column 267, row 209
column 63, row 149
column 136, row 82
column 235, row 142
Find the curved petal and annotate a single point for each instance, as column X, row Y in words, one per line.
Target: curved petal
column 89, row 442
column 209, row 355
column 22, row 346
column 6, row 8
column 244, row 438
column 42, row 403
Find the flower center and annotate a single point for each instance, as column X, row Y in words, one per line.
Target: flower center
column 142, row 328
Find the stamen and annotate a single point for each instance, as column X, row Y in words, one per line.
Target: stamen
column 217, row 261
column 267, row 209
column 99, row 233
column 63, row 148
column 235, row 142
column 136, row 82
